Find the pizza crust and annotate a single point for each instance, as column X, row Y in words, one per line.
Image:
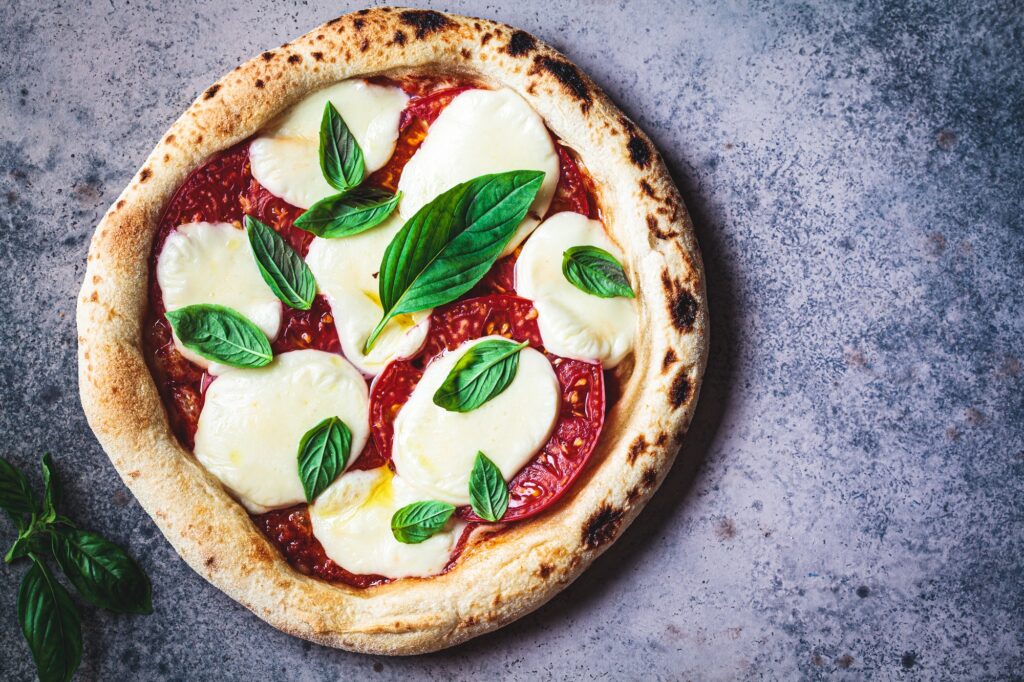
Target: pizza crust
column 500, row 576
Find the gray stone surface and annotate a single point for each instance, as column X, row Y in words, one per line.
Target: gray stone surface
column 851, row 498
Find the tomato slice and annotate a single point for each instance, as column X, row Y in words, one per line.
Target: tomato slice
column 546, row 478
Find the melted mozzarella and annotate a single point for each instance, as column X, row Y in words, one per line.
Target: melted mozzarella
column 346, row 272
column 352, row 520
column 573, row 323
column 253, row 420
column 213, row 263
column 434, row 449
column 481, row 132
column 286, row 157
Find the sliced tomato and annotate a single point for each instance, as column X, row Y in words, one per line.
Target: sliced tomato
column 581, row 416
column 572, row 192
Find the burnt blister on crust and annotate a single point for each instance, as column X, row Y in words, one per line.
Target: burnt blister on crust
column 211, row 91
column 521, row 43
column 424, row 21
column 682, row 306
column 636, row 448
column 568, row 75
column 601, row 527
column 680, row 390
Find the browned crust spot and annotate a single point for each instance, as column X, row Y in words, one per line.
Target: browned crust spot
column 358, row 24
column 569, row 76
column 636, row 448
column 601, row 527
column 120, row 203
column 521, row 43
column 650, row 477
column 145, row 174
column 682, row 306
column 544, row 571
column 646, row 188
column 424, row 21
column 399, row 38
column 680, row 390
column 318, row 55
column 486, row 38
column 259, row 83
column 210, row 561
column 294, row 58
column 364, row 46
column 268, row 55
column 639, row 151
column 669, row 360
column 466, row 54
column 655, row 228
column 211, row 91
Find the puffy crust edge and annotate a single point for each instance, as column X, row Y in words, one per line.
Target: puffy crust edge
column 501, row 576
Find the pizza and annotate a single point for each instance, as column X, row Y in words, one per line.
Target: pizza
column 396, row 330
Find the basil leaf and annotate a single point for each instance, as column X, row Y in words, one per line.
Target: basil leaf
column 102, row 572
column 50, row 623
column 51, row 490
column 323, row 453
column 283, row 270
column 15, row 494
column 416, row 522
column 341, row 159
column 486, row 370
column 221, row 334
column 595, row 271
column 488, row 492
column 344, row 215
column 450, row 244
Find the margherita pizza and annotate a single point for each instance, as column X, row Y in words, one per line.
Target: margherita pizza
column 396, row 330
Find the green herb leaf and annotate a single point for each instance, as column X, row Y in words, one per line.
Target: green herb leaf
column 102, row 572
column 50, row 623
column 486, row 370
column 450, row 244
column 283, row 270
column 323, row 453
column 341, row 159
column 15, row 494
column 51, row 490
column 596, row 272
column 344, row 215
column 488, row 492
column 221, row 334
column 29, row 540
column 416, row 522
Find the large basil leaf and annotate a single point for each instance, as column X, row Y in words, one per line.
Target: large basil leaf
column 341, row 159
column 221, row 334
column 596, row 272
column 416, row 522
column 50, row 623
column 344, row 215
column 102, row 572
column 482, row 373
column 488, row 492
column 323, row 453
column 51, row 490
column 16, row 496
column 283, row 270
column 451, row 243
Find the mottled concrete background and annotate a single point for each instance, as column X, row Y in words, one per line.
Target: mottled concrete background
column 851, row 497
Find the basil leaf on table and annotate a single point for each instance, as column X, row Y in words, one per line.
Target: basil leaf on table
column 102, row 572
column 282, row 268
column 450, row 244
column 419, row 521
column 51, row 624
column 488, row 492
column 221, row 334
column 344, row 215
column 51, row 490
column 323, row 453
column 596, row 272
column 16, row 496
column 341, row 159
column 485, row 370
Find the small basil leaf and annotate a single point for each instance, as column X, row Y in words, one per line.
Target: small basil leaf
column 341, row 159
column 102, row 572
column 50, row 623
column 485, row 370
column 450, row 244
column 344, row 215
column 221, row 334
column 51, row 490
column 595, row 271
column 488, row 492
column 414, row 523
column 323, row 453
column 15, row 494
column 283, row 270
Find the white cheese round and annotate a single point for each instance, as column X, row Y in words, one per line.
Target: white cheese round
column 352, row 520
column 434, row 449
column 286, row 157
column 346, row 272
column 253, row 420
column 573, row 323
column 213, row 263
column 481, row 132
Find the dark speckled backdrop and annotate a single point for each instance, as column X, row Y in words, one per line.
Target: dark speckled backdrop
column 851, row 497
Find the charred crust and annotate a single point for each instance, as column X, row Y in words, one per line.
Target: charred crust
column 639, row 151
column 333, row 21
column 682, row 306
column 601, row 527
column 669, row 360
column 520, row 44
column 655, row 228
column 424, row 21
column 364, row 46
column 636, row 448
column 211, row 91
column 569, row 76
column 145, row 174
column 544, row 571
column 465, row 53
column 358, row 24
column 399, row 38
column 649, row 479
column 210, row 562
column 259, row 83
column 169, row 139
column 680, row 390
column 319, row 56
column 294, row 58
column 364, row 12
column 267, row 56
column 646, row 188
column 120, row 203
column 486, row 38
column 662, row 439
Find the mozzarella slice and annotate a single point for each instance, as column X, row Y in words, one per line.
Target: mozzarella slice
column 573, row 323
column 253, row 420
column 434, row 449
column 286, row 157
column 346, row 273
column 213, row 263
column 352, row 520
column 481, row 132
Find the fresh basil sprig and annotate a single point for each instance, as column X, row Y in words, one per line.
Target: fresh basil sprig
column 344, row 215
column 341, row 159
column 419, row 521
column 221, row 334
column 100, row 571
column 488, row 492
column 282, row 268
column 323, row 454
column 450, row 244
column 596, row 272
column 482, row 373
